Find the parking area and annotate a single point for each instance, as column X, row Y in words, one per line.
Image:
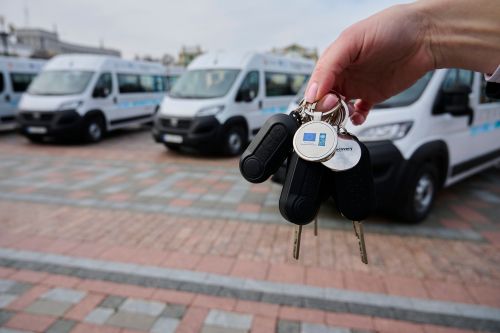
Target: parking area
column 124, row 236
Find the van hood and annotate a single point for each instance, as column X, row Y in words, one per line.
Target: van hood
column 187, row 108
column 377, row 117
column 44, row 103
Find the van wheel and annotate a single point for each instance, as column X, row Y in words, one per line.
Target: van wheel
column 419, row 194
column 172, row 147
column 234, row 140
column 94, row 129
column 35, row 138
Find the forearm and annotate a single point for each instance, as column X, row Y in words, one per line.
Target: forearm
column 462, row 33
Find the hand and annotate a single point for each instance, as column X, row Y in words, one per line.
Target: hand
column 373, row 60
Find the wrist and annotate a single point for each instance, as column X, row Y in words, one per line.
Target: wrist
column 461, row 33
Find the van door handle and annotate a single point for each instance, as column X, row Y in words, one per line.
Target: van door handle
column 115, row 100
column 260, row 105
column 7, row 98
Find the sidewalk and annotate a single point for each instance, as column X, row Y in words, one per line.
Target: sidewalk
column 90, row 243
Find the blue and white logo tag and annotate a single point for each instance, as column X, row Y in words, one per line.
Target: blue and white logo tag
column 309, row 138
column 313, row 139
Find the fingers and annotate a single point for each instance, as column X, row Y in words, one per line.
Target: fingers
column 327, row 103
column 330, row 65
column 360, row 112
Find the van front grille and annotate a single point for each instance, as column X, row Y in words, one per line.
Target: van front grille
column 175, row 123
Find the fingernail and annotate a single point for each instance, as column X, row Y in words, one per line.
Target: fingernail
column 311, row 93
column 330, row 101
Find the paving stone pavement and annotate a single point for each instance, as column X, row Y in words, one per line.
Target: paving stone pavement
column 126, row 237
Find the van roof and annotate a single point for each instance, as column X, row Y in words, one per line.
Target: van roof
column 99, row 62
column 21, row 64
column 268, row 61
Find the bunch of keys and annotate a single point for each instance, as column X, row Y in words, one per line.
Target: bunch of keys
column 315, row 143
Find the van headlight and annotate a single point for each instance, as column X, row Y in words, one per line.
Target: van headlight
column 70, row 105
column 210, row 111
column 386, row 132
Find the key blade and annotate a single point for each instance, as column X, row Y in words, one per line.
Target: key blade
column 358, row 230
column 296, row 241
column 316, row 226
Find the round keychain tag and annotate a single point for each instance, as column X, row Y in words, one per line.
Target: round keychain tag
column 347, row 154
column 315, row 141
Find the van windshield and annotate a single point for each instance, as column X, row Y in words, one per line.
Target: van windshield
column 204, row 83
column 407, row 96
column 60, row 82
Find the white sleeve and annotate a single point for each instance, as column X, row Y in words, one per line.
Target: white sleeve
column 495, row 77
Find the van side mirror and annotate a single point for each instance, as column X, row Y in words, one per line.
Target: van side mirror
column 492, row 90
column 455, row 101
column 245, row 95
column 100, row 92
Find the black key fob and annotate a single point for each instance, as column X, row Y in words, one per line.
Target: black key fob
column 353, row 190
column 301, row 195
column 269, row 149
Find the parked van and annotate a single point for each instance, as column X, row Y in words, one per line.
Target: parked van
column 439, row 131
column 173, row 73
column 83, row 96
column 15, row 76
column 223, row 99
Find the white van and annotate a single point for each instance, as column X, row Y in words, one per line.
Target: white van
column 224, row 98
column 83, row 96
column 15, row 76
column 173, row 73
column 439, row 131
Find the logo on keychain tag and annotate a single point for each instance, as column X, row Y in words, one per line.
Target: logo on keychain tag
column 309, row 139
column 347, row 154
column 322, row 139
column 315, row 141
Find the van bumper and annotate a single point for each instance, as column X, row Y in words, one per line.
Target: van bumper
column 201, row 133
column 388, row 167
column 67, row 123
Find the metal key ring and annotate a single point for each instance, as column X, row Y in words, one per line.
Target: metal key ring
column 309, row 112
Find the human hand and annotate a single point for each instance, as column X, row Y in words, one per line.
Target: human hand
column 373, row 60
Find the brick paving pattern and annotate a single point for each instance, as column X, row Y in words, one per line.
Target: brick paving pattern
column 126, row 237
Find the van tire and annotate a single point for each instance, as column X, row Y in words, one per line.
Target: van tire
column 418, row 194
column 234, row 140
column 35, row 138
column 173, row 147
column 93, row 129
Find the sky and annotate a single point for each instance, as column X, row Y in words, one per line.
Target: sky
column 156, row 27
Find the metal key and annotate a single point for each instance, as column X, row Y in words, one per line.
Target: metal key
column 354, row 195
column 358, row 230
column 296, row 241
column 316, row 226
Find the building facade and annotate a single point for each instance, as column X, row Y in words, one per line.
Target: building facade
column 45, row 44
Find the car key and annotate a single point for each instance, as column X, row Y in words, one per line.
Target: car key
column 301, row 195
column 354, row 195
column 270, row 147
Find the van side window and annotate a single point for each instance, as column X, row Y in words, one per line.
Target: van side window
column 21, row 81
column 456, row 77
column 133, row 83
column 129, row 83
column 104, row 86
column 281, row 84
column 483, row 99
column 249, row 88
column 2, row 85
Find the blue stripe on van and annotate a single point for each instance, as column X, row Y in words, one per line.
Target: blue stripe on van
column 484, row 128
column 139, row 103
column 275, row 109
